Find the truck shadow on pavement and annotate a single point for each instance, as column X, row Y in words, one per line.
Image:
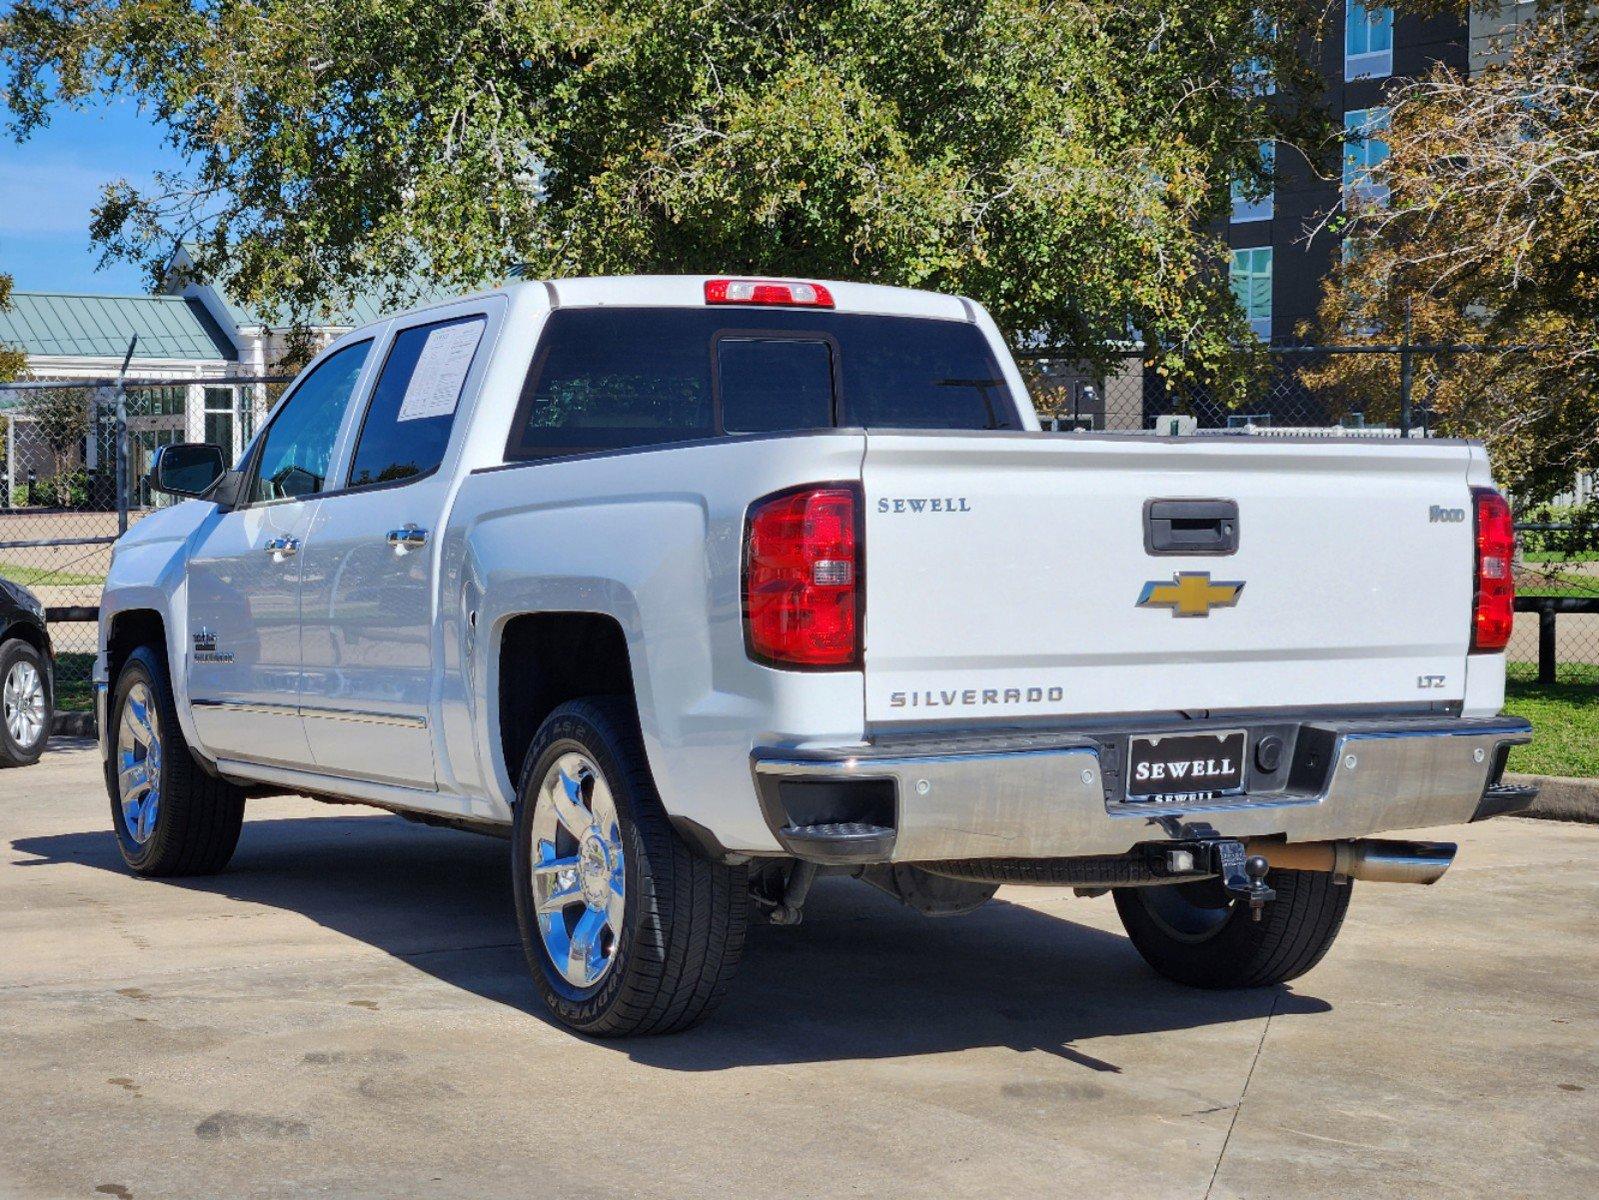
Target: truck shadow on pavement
column 862, row 978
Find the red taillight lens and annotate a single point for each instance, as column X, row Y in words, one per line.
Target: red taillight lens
column 767, row 291
column 802, row 575
column 1494, row 612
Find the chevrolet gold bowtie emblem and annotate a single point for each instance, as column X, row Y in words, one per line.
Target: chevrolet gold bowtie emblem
column 1190, row 594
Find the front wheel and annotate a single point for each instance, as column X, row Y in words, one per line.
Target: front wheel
column 627, row 929
column 171, row 818
column 1200, row 935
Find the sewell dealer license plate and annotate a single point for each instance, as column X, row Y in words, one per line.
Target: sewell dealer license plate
column 1185, row 766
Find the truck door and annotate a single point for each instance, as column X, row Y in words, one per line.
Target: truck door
column 368, row 600
column 243, row 575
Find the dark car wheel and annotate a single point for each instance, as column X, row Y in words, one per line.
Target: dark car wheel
column 26, row 706
column 1195, row 933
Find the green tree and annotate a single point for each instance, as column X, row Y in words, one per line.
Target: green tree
column 59, row 417
column 11, row 361
column 1059, row 161
column 1488, row 235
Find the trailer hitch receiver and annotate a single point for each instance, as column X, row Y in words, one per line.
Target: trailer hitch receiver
column 1242, row 874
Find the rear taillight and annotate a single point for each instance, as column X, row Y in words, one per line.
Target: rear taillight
column 767, row 291
column 1494, row 610
column 802, row 578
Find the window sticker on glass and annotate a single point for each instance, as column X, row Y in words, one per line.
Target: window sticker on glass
column 441, row 368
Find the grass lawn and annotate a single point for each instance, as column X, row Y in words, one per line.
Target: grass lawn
column 1554, row 582
column 1565, row 720
column 73, row 693
column 33, row 576
column 1559, row 556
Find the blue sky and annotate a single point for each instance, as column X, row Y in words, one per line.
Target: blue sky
column 49, row 183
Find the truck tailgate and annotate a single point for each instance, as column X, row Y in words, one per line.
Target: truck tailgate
column 1005, row 575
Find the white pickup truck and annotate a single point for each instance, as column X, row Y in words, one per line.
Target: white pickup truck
column 695, row 588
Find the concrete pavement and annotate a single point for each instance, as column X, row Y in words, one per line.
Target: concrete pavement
column 345, row 1012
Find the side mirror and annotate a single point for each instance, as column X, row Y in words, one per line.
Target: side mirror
column 187, row 468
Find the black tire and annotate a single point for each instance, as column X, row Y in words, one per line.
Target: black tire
column 684, row 915
column 1196, row 934
column 15, row 751
column 197, row 816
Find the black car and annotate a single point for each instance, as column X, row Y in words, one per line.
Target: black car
column 27, row 676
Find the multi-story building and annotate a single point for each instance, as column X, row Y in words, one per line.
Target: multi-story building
column 1277, row 267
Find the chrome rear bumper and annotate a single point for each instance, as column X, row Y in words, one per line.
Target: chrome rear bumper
column 1058, row 794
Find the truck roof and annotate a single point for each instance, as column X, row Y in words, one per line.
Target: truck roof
column 688, row 291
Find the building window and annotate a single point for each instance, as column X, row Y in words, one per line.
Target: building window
column 219, row 406
column 1255, row 77
column 1368, row 41
column 1259, row 208
column 1251, row 280
column 1364, row 150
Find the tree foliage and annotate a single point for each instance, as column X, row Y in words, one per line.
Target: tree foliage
column 1057, row 160
column 60, row 418
column 11, row 361
column 1489, row 236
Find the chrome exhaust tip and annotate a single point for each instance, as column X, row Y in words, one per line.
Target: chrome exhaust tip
column 1378, row 861
column 1374, row 860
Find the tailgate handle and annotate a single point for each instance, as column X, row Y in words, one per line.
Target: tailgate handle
column 1190, row 526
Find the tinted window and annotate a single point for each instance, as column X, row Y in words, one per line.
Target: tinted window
column 768, row 384
column 413, row 404
column 296, row 448
column 612, row 377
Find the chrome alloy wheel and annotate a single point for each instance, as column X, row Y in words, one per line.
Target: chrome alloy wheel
column 139, row 763
column 24, row 704
column 579, row 881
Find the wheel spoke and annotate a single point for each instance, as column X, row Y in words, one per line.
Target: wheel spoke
column 132, row 776
column 561, row 896
column 552, row 865
column 584, row 958
column 603, row 805
column 139, row 716
column 147, row 814
column 567, row 799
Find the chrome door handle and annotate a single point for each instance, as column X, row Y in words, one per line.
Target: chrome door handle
column 282, row 547
column 409, row 538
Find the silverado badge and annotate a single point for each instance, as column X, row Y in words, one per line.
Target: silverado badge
column 1190, row 594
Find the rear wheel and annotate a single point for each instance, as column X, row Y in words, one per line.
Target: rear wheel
column 1200, row 935
column 25, row 707
column 170, row 817
column 628, row 930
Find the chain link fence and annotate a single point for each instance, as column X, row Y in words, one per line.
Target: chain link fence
column 76, row 456
column 74, row 463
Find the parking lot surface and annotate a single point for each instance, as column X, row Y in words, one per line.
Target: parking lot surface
column 346, row 1012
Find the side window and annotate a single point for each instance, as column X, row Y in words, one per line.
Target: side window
column 295, row 452
column 408, row 421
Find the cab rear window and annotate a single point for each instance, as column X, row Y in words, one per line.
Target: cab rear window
column 613, row 378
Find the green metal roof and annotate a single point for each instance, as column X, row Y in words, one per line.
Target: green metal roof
column 359, row 310
column 55, row 323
